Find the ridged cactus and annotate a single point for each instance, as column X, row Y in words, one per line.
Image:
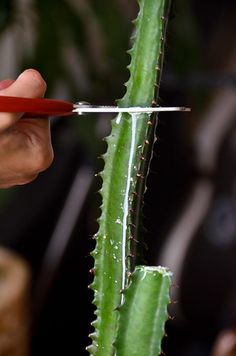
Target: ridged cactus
column 144, row 311
column 119, row 288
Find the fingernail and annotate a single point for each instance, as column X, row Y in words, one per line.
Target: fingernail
column 30, row 71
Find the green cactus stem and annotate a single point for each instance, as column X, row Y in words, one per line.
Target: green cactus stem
column 144, row 312
column 126, row 162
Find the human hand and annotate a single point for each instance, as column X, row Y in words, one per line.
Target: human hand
column 25, row 144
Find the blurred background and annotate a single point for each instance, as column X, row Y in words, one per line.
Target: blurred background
column 79, row 46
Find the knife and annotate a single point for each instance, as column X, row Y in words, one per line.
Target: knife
column 41, row 107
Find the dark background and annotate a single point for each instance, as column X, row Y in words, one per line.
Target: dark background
column 190, row 204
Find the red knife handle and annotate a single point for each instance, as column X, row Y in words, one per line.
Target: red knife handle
column 35, row 108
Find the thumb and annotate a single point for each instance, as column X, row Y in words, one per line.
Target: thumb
column 29, row 84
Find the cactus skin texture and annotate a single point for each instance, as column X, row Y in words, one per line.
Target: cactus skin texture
column 144, row 312
column 126, row 164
